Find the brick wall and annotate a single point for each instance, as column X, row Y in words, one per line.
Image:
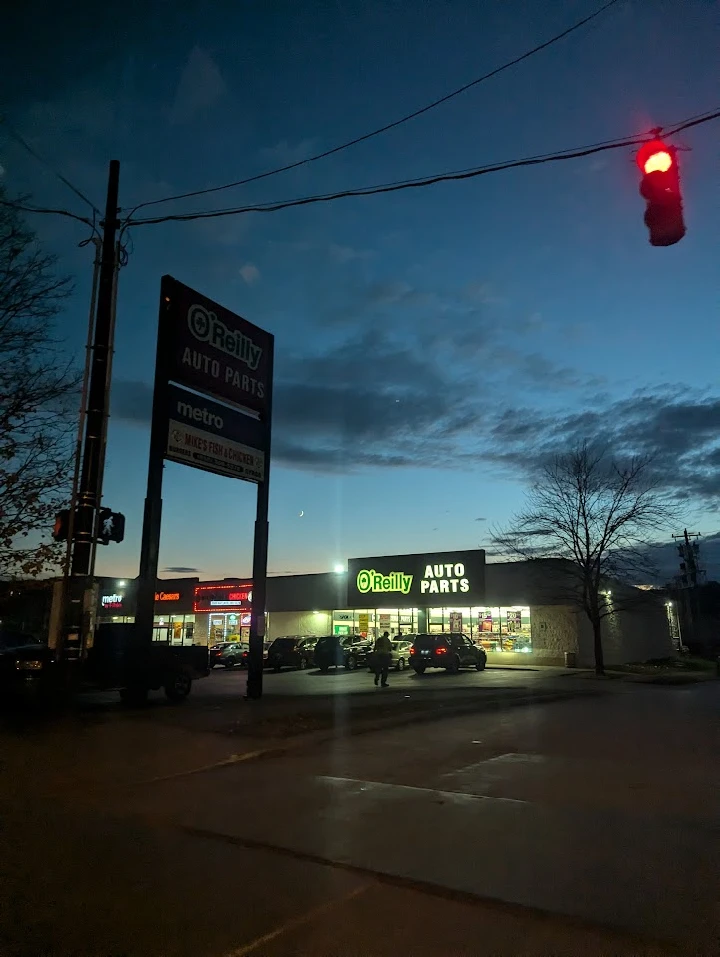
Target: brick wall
column 554, row 630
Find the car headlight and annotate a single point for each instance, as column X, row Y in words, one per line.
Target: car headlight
column 31, row 665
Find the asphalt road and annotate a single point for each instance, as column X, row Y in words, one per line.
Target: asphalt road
column 586, row 825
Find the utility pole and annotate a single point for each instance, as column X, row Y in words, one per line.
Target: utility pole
column 260, row 555
column 72, row 638
column 689, row 572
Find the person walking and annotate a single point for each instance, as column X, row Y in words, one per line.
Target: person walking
column 383, row 655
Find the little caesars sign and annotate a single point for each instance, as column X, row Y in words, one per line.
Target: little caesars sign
column 416, row 579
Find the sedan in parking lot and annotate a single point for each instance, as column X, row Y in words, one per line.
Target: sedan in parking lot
column 400, row 655
column 229, row 654
column 215, row 651
column 449, row 651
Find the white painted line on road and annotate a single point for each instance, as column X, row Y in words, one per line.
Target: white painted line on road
column 226, row 762
column 296, row 922
column 450, row 795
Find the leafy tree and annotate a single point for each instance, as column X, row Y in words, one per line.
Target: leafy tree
column 598, row 515
column 38, row 398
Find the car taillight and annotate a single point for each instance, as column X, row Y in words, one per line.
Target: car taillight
column 442, row 650
column 412, row 651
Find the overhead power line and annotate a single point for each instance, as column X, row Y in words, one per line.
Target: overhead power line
column 387, row 126
column 19, row 139
column 54, row 212
column 423, row 182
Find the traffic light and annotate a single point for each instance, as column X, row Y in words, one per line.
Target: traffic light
column 61, row 529
column 660, row 186
column 111, row 526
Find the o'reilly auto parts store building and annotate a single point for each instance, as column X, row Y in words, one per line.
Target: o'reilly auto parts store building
column 519, row 611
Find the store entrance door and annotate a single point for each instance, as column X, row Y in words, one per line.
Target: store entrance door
column 161, row 633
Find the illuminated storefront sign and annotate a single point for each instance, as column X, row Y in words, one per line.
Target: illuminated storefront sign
column 418, row 576
column 167, row 596
column 215, row 351
column 112, row 601
column 217, row 596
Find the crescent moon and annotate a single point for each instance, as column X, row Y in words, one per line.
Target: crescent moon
column 301, row 514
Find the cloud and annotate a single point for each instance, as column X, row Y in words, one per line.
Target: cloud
column 409, row 376
column 481, row 520
column 250, row 273
column 678, row 427
column 182, row 570
column 200, row 86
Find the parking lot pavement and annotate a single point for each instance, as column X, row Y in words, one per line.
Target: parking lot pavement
column 338, row 681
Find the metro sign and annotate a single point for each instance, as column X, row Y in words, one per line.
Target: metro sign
column 111, row 601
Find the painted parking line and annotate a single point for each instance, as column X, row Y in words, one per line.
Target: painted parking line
column 289, row 925
column 387, row 787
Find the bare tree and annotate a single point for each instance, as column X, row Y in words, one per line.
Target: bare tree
column 598, row 515
column 38, row 396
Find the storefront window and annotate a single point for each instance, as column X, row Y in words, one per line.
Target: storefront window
column 174, row 629
column 228, row 626
column 374, row 621
column 496, row 628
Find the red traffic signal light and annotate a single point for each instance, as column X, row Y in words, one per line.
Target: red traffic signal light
column 660, row 186
column 61, row 528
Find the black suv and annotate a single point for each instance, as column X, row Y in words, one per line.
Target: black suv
column 290, row 652
column 336, row 650
column 449, row 651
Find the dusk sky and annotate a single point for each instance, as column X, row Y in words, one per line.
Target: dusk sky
column 431, row 344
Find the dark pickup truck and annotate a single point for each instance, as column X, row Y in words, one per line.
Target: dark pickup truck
column 119, row 660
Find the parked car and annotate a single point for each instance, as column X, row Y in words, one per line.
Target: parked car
column 449, row 651
column 337, row 650
column 401, row 653
column 215, row 651
column 293, row 651
column 24, row 661
column 400, row 659
column 246, row 654
column 231, row 654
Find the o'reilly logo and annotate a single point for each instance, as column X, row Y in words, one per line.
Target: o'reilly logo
column 370, row 580
column 197, row 414
column 206, row 327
